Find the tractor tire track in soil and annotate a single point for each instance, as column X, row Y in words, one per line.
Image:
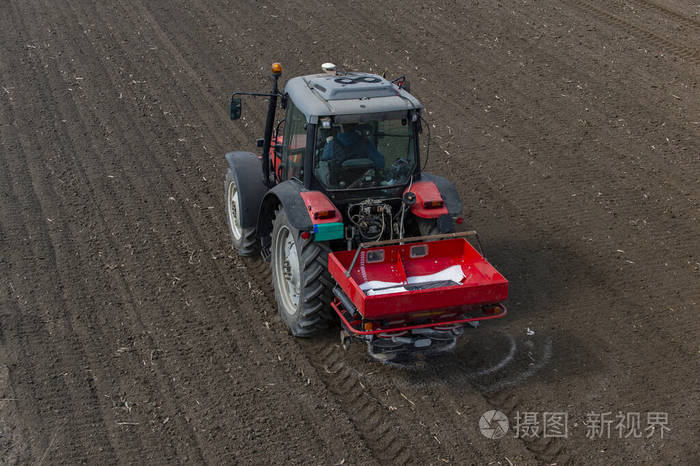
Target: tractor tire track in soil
column 131, row 332
column 671, row 13
column 383, row 429
column 691, row 54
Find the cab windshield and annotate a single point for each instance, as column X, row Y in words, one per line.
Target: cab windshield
column 364, row 154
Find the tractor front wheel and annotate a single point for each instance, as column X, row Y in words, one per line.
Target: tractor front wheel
column 298, row 275
column 244, row 238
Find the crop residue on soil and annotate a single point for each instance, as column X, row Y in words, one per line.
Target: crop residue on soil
column 130, row 332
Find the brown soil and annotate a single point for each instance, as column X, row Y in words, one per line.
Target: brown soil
column 130, row 332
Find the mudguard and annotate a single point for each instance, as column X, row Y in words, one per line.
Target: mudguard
column 246, row 168
column 288, row 194
column 426, row 191
column 448, row 191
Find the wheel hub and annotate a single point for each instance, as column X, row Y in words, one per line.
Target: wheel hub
column 288, row 274
column 233, row 209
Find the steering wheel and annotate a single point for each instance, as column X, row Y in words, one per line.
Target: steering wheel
column 398, row 167
column 360, row 180
column 399, row 163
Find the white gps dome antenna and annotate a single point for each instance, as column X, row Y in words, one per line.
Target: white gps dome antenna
column 328, row 68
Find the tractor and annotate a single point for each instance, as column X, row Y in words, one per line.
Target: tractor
column 355, row 231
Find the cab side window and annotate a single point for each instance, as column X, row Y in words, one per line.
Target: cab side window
column 294, row 147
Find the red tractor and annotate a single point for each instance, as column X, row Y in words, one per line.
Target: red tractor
column 353, row 228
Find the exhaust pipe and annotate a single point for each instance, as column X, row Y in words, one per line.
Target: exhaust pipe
column 276, row 73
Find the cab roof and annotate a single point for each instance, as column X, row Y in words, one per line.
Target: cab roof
column 319, row 95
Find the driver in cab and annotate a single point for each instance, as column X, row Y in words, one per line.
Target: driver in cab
column 351, row 143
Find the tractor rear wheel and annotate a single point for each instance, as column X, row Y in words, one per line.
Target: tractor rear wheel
column 244, row 238
column 427, row 226
column 300, row 278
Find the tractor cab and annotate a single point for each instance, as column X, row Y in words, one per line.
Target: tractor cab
column 349, row 154
column 354, row 131
column 340, row 132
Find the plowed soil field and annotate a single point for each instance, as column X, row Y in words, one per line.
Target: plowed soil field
column 131, row 332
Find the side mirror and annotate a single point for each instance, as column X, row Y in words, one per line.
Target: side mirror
column 235, row 108
column 406, row 86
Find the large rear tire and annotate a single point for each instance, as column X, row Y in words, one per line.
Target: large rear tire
column 427, row 226
column 300, row 279
column 244, row 238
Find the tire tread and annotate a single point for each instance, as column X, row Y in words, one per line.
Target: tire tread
column 314, row 313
